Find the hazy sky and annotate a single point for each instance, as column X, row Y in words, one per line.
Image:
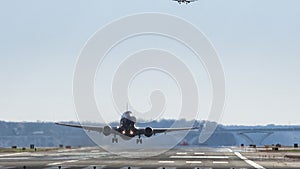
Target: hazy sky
column 258, row 44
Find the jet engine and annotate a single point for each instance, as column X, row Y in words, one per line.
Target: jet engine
column 107, row 130
column 148, row 131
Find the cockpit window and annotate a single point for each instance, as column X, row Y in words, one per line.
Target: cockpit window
column 129, row 115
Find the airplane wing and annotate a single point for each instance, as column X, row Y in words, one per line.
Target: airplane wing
column 166, row 130
column 90, row 128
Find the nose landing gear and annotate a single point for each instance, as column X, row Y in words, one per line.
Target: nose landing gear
column 139, row 140
column 114, row 139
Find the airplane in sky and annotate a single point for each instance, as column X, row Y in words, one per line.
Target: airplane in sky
column 185, row 1
column 127, row 129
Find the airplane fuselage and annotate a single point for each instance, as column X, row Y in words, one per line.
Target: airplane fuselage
column 127, row 126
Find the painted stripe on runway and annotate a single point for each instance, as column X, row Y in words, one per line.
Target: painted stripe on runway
column 59, row 163
column 181, row 153
column 70, row 161
column 166, row 162
column 252, row 163
column 199, row 153
column 193, row 162
column 220, row 162
column 130, row 167
column 14, row 158
column 201, row 157
column 12, row 154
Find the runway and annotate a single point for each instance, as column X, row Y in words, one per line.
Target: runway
column 177, row 158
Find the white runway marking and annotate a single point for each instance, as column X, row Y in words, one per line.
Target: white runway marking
column 220, row 162
column 59, row 163
column 14, row 158
column 130, row 167
column 166, row 162
column 193, row 162
column 199, row 153
column 70, row 161
column 252, row 163
column 12, row 154
column 181, row 153
column 201, row 157
column 229, row 150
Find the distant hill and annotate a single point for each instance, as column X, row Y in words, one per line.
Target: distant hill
column 47, row 134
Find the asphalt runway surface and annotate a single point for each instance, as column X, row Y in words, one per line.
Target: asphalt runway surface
column 177, row 158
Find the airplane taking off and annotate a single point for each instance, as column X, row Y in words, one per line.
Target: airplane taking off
column 185, row 1
column 127, row 129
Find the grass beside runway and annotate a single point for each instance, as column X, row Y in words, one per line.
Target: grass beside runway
column 18, row 150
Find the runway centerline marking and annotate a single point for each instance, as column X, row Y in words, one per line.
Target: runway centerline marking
column 193, row 162
column 166, row 162
column 181, row 153
column 199, row 153
column 250, row 162
column 201, row 157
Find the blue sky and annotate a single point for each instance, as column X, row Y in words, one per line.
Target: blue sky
column 257, row 41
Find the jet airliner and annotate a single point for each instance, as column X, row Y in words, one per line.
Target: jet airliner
column 185, row 1
column 127, row 129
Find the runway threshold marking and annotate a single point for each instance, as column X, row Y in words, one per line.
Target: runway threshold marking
column 220, row 162
column 12, row 154
column 166, row 162
column 59, row 163
column 201, row 157
column 14, row 158
column 250, row 162
column 193, row 162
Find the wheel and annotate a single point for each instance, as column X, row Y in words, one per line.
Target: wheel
column 141, row 141
column 113, row 140
column 116, row 140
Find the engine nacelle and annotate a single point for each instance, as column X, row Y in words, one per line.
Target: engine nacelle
column 148, row 131
column 107, row 130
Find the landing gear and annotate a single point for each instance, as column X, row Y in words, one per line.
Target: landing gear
column 114, row 139
column 139, row 140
